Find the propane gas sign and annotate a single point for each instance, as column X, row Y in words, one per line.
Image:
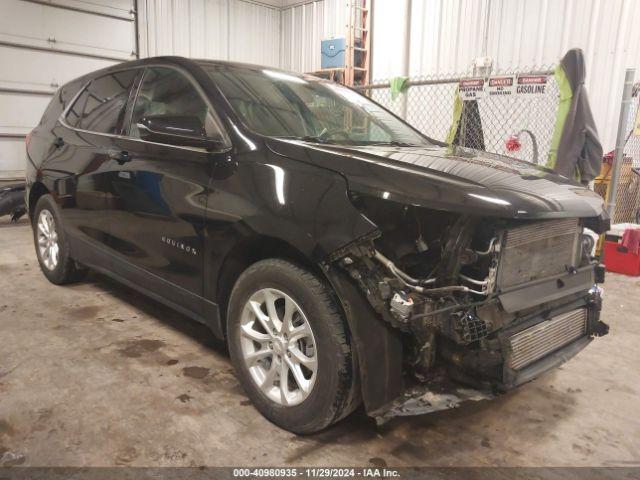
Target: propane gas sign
column 471, row 88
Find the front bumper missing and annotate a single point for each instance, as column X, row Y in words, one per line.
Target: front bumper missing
column 433, row 397
column 443, row 394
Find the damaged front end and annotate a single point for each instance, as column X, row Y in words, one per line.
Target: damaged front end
column 475, row 305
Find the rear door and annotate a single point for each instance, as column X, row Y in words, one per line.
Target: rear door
column 158, row 191
column 81, row 161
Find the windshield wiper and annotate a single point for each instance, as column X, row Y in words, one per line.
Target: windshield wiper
column 308, row 138
column 392, row 143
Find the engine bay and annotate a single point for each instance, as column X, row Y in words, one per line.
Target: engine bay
column 438, row 278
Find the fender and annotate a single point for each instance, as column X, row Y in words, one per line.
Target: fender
column 270, row 196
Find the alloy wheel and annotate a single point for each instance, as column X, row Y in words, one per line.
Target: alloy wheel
column 48, row 245
column 278, row 347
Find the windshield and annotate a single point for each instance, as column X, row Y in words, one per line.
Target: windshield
column 277, row 104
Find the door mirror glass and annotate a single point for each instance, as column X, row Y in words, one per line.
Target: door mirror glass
column 180, row 130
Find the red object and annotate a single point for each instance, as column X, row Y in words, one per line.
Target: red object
column 608, row 157
column 631, row 240
column 618, row 258
column 513, row 144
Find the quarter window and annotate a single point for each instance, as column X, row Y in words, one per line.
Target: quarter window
column 166, row 91
column 102, row 104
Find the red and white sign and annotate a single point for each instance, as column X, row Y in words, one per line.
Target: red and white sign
column 501, row 86
column 471, row 88
column 532, row 84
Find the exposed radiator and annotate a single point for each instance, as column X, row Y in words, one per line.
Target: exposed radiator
column 535, row 342
column 538, row 250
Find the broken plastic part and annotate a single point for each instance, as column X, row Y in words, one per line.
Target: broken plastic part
column 426, row 400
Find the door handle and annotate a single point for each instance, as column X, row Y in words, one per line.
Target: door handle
column 58, row 142
column 120, row 157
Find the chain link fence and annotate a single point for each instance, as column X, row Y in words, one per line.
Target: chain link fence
column 508, row 120
column 627, row 201
column 628, row 191
column 517, row 120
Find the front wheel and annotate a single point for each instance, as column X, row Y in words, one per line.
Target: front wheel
column 290, row 347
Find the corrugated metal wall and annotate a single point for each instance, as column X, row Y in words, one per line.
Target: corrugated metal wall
column 237, row 30
column 304, row 25
column 446, row 35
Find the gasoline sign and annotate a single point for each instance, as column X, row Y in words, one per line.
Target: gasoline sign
column 532, row 84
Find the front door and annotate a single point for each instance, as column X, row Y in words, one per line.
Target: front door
column 157, row 192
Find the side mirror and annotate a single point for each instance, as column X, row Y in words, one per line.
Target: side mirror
column 179, row 130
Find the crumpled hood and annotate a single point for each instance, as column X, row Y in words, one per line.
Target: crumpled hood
column 451, row 178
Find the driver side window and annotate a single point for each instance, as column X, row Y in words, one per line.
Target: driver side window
column 166, row 91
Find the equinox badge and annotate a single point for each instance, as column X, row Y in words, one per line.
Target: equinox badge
column 178, row 244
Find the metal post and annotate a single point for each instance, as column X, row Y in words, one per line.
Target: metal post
column 485, row 37
column 137, row 25
column 620, row 141
column 406, row 59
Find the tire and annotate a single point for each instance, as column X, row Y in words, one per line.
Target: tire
column 331, row 384
column 59, row 268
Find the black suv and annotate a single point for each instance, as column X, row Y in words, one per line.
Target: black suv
column 345, row 257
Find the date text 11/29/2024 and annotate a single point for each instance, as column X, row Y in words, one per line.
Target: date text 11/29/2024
column 316, row 473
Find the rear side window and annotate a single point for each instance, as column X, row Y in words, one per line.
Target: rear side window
column 101, row 106
column 59, row 102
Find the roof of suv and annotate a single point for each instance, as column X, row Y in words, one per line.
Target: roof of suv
column 174, row 59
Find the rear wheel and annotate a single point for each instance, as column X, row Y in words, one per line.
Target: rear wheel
column 51, row 244
column 290, row 346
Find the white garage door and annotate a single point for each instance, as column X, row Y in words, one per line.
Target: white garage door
column 44, row 44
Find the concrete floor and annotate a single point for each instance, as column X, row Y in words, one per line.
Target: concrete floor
column 96, row 375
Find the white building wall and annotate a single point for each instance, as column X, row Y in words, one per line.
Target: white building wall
column 304, row 25
column 237, row 30
column 446, row 35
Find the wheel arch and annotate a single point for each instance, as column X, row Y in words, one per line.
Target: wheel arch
column 37, row 190
column 245, row 253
